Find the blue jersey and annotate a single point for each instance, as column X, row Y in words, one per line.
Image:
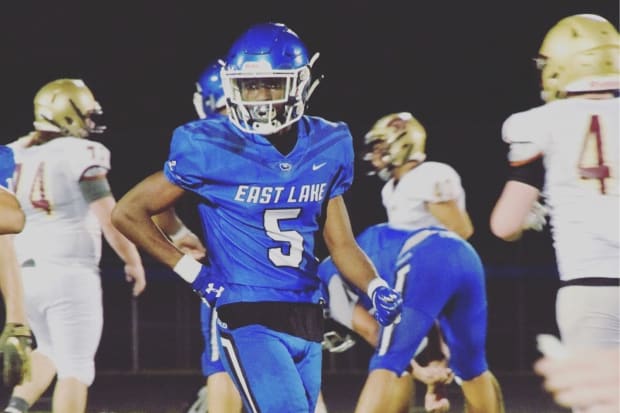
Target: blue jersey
column 7, row 166
column 261, row 209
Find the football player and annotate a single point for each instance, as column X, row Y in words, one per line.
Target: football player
column 268, row 177
column 16, row 339
column 420, row 194
column 417, row 193
column 440, row 277
column 60, row 181
column 567, row 150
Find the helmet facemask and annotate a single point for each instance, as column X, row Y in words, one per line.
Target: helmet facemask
column 262, row 114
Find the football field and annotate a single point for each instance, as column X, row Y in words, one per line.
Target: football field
column 173, row 392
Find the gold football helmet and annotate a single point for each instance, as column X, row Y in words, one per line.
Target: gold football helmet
column 393, row 140
column 581, row 53
column 66, row 106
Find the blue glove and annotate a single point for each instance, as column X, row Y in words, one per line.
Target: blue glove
column 207, row 287
column 387, row 303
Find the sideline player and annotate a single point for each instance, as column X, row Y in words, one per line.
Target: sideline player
column 61, row 183
column 268, row 177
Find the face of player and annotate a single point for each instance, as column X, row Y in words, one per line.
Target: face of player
column 271, row 91
column 262, row 89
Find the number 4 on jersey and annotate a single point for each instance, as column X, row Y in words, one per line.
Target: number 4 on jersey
column 38, row 197
column 592, row 160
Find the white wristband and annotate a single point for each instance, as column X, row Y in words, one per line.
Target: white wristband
column 188, row 268
column 180, row 233
column 374, row 284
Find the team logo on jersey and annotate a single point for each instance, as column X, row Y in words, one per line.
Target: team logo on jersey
column 286, row 166
column 317, row 166
column 210, row 290
column 172, row 165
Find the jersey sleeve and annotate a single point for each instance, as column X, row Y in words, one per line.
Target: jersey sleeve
column 344, row 178
column 442, row 183
column 185, row 161
column 526, row 137
column 7, row 166
column 86, row 159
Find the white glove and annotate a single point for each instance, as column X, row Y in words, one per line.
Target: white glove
column 536, row 218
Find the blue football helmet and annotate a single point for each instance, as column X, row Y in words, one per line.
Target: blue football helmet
column 209, row 97
column 267, row 56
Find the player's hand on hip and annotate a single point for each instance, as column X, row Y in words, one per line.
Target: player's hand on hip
column 15, row 349
column 135, row 273
column 207, row 287
column 190, row 244
column 386, row 302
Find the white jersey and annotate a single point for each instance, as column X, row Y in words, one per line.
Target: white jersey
column 578, row 139
column 60, row 229
column 429, row 182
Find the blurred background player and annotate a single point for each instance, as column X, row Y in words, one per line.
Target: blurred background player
column 61, row 183
column 16, row 339
column 417, row 193
column 567, row 149
column 268, row 176
column 441, row 278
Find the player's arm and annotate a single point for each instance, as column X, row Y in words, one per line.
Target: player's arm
column 96, row 190
column 10, row 282
column 452, row 217
column 351, row 261
column 516, row 209
column 180, row 235
column 512, row 209
column 133, row 217
column 12, row 218
column 364, row 324
column 133, row 214
column 354, row 264
column 16, row 339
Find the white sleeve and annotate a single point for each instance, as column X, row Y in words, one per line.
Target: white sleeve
column 441, row 183
column 87, row 158
column 526, row 136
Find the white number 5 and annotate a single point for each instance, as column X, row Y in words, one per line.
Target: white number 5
column 277, row 255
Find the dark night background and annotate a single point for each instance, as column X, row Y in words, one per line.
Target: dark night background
column 460, row 67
